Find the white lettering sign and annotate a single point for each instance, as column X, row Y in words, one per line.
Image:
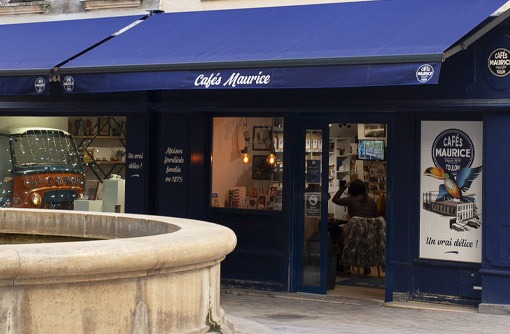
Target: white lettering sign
column 174, row 160
column 234, row 80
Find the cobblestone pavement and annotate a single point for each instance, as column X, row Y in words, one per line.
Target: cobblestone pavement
column 264, row 312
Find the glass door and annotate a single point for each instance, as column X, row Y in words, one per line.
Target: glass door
column 312, row 239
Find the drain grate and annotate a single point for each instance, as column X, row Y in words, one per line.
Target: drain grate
column 286, row 316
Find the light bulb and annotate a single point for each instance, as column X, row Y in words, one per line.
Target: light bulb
column 245, row 158
column 271, row 159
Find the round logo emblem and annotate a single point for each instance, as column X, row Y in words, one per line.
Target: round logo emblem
column 499, row 62
column 40, row 85
column 313, row 200
column 453, row 150
column 424, row 73
column 68, row 84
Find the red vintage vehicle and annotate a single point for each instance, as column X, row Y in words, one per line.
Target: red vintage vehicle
column 39, row 168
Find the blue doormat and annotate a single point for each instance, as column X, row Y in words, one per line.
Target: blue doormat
column 363, row 281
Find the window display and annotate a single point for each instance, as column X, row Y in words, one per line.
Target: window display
column 247, row 163
column 39, row 168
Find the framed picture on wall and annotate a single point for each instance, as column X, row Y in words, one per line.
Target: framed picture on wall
column 375, row 130
column 261, row 170
column 262, row 201
column 262, row 138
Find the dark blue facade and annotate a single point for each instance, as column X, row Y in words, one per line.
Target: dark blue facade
column 173, row 125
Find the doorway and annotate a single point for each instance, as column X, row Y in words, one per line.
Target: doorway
column 333, row 257
column 357, row 152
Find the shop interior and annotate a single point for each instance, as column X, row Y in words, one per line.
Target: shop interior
column 247, row 163
column 356, row 248
column 357, row 152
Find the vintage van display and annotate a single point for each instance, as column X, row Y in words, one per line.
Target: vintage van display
column 39, row 168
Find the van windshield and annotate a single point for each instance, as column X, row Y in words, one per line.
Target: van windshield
column 44, row 148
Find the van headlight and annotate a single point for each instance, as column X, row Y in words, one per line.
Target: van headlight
column 36, row 200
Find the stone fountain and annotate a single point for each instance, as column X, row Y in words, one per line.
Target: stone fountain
column 128, row 274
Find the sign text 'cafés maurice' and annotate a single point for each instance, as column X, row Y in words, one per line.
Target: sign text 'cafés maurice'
column 233, row 80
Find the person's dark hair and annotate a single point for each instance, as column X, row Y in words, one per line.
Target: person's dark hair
column 358, row 188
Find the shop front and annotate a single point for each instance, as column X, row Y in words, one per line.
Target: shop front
column 259, row 134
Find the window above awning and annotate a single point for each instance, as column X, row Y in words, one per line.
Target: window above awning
column 30, row 50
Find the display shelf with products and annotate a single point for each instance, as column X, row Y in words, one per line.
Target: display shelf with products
column 340, row 168
column 102, row 143
column 277, row 150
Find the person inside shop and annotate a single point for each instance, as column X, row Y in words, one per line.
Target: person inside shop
column 358, row 204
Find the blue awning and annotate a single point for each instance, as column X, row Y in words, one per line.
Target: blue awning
column 372, row 43
column 29, row 51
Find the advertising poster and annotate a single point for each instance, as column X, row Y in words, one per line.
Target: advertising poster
column 451, row 191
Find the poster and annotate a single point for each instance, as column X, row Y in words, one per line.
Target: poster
column 313, row 204
column 451, row 191
column 313, row 171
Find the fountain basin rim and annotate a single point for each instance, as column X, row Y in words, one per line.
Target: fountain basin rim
column 188, row 244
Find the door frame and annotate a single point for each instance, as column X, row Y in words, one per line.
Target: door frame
column 322, row 121
column 298, row 163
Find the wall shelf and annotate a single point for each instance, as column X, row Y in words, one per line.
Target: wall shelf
column 339, row 169
column 102, row 153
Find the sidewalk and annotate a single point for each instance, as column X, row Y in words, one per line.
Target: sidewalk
column 264, row 312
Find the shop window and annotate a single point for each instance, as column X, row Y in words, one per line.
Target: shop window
column 18, row 7
column 102, row 144
column 247, row 163
column 110, row 4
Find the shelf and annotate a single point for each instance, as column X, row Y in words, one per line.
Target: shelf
column 98, row 143
column 99, row 137
column 104, row 163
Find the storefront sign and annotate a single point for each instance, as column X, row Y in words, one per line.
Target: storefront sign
column 235, row 79
column 451, row 191
column 351, row 75
column 499, row 62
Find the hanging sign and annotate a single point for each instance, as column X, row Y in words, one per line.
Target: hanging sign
column 451, row 191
